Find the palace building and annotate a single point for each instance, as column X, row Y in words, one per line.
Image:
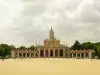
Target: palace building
column 51, row 49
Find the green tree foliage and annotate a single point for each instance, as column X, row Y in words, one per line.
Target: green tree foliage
column 76, row 45
column 87, row 45
column 31, row 47
column 84, row 45
column 98, row 50
column 95, row 47
column 5, row 50
column 22, row 48
column 12, row 47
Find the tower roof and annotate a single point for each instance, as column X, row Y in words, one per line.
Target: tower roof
column 51, row 29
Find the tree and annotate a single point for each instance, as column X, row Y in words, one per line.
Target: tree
column 31, row 47
column 22, row 48
column 5, row 51
column 12, row 47
column 98, row 50
column 87, row 45
column 76, row 45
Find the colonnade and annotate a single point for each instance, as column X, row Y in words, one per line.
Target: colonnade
column 26, row 55
column 51, row 53
column 46, row 53
column 77, row 55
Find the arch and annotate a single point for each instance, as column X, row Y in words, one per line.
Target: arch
column 36, row 54
column 82, row 55
column 78, row 55
column 20, row 54
column 87, row 55
column 74, row 54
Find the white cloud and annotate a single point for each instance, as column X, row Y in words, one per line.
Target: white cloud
column 28, row 21
column 9, row 9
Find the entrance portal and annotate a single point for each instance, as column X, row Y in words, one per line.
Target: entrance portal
column 51, row 53
column 41, row 53
column 61, row 53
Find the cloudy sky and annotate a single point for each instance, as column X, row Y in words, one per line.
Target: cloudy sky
column 23, row 22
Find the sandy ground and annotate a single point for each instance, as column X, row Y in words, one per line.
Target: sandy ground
column 49, row 67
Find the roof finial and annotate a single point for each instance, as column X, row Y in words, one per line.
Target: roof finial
column 66, row 43
column 36, row 43
column 51, row 27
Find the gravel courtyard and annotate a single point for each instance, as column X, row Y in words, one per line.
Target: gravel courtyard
column 49, row 66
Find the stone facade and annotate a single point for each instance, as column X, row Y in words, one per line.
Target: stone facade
column 51, row 49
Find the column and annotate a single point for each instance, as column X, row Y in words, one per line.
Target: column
column 53, row 53
column 30, row 55
column 26, row 55
column 39, row 52
column 80, row 55
column 68, row 55
column 48, row 52
column 12, row 54
column 76, row 55
column 18, row 55
column 72, row 55
column 58, row 53
column 64, row 54
column 84, row 55
column 90, row 54
column 34, row 55
column 44, row 53
column 22, row 55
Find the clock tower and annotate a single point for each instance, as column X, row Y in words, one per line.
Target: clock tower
column 51, row 34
